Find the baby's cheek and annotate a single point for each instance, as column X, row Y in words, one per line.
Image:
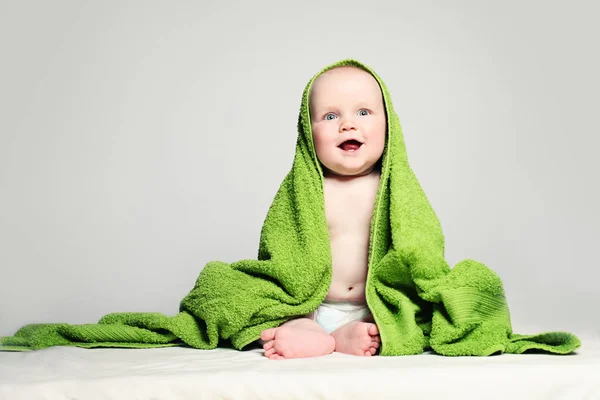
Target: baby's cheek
column 321, row 141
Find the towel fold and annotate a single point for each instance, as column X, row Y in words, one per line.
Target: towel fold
column 418, row 302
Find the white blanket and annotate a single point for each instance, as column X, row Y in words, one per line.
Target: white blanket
column 181, row 373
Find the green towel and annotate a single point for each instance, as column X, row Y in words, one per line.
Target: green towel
column 417, row 301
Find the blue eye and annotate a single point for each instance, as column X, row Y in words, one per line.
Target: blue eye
column 329, row 115
column 363, row 112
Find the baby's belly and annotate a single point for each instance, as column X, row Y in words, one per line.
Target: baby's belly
column 350, row 258
column 344, row 292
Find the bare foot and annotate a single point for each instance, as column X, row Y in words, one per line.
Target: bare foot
column 297, row 339
column 357, row 338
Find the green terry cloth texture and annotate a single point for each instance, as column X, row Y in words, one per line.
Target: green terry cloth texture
column 418, row 302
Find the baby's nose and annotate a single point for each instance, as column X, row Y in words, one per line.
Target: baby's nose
column 347, row 125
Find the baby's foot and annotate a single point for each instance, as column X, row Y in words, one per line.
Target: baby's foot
column 297, row 339
column 357, row 338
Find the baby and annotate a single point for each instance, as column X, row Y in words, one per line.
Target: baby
column 349, row 127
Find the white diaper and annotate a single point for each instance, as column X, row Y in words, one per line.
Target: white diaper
column 333, row 314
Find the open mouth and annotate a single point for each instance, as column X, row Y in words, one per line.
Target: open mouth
column 350, row 145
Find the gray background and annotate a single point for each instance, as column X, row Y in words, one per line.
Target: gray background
column 140, row 140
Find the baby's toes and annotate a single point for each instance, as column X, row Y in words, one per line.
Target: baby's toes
column 269, row 353
column 269, row 345
column 282, row 349
column 373, row 331
column 373, row 346
column 268, row 334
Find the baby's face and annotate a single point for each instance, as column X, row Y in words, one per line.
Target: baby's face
column 348, row 121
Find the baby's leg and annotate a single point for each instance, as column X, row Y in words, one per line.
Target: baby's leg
column 297, row 338
column 357, row 338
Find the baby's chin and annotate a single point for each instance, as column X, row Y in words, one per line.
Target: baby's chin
column 348, row 172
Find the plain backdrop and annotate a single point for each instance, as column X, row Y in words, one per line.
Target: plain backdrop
column 140, row 140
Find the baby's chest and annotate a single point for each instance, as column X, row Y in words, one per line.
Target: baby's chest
column 348, row 209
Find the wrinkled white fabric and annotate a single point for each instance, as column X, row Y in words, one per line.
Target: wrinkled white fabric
column 183, row 373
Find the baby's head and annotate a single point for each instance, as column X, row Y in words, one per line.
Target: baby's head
column 348, row 121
